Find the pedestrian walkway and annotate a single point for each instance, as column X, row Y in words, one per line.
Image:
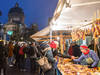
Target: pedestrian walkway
column 14, row 71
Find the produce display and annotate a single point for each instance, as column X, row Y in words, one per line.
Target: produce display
column 68, row 68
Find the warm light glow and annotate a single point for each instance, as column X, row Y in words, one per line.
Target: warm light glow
column 61, row 27
column 58, row 38
column 59, row 8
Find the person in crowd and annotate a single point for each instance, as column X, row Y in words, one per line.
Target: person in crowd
column 16, row 54
column 88, row 57
column 35, row 53
column 54, row 46
column 3, row 58
column 46, row 49
column 10, row 53
column 32, row 55
column 55, row 49
column 70, row 51
column 27, row 57
column 51, row 51
column 98, row 50
column 91, row 45
column 75, row 50
column 22, row 57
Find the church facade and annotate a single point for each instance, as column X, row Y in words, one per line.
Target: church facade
column 15, row 23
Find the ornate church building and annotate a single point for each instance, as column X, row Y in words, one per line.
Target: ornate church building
column 15, row 25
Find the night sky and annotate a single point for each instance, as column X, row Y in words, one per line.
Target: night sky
column 36, row 11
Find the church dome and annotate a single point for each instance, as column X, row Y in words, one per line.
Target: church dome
column 16, row 9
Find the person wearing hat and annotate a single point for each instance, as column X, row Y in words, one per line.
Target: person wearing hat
column 88, row 57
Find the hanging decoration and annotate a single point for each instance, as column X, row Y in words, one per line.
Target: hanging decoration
column 80, row 34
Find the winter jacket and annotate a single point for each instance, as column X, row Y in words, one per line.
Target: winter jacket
column 91, row 54
column 10, row 47
column 3, row 55
column 76, row 51
column 51, row 60
column 70, row 51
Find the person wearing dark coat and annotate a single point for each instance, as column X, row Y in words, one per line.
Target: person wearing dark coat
column 3, row 55
column 91, row 46
column 47, row 51
column 16, row 54
column 22, row 57
column 76, row 50
column 34, row 55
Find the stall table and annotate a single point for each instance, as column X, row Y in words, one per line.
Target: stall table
column 68, row 68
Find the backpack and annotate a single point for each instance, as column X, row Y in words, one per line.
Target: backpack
column 21, row 51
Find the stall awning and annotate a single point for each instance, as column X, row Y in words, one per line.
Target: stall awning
column 75, row 12
column 43, row 32
column 71, row 14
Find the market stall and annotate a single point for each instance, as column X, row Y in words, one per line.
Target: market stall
column 68, row 68
column 79, row 19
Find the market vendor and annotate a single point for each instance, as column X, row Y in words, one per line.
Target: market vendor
column 88, row 57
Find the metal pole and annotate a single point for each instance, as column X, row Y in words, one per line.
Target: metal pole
column 4, row 34
column 51, row 33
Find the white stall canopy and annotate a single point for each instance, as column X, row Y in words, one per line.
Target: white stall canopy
column 74, row 13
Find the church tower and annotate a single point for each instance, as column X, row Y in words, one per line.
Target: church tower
column 16, row 15
column 15, row 21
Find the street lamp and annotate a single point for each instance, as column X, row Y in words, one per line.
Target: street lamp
column 4, row 34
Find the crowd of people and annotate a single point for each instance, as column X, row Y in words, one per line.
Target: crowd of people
column 24, row 56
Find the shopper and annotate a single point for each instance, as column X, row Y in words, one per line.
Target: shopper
column 22, row 57
column 88, row 57
column 48, row 53
column 75, row 50
column 10, row 53
column 3, row 55
column 16, row 54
